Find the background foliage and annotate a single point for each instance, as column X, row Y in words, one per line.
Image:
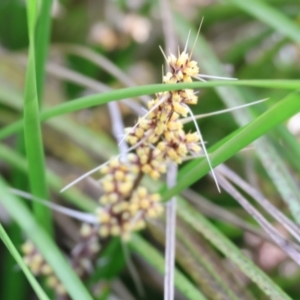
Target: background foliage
column 221, row 252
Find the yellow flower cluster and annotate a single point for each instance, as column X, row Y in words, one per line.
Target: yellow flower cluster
column 162, row 127
column 119, row 179
column 38, row 266
column 159, row 138
column 124, row 206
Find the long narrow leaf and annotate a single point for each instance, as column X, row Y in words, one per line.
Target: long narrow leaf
column 32, row 130
column 41, row 44
column 103, row 98
column 10, row 246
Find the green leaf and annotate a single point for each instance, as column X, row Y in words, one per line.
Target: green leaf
column 32, row 129
column 41, row 44
column 103, row 98
column 14, row 252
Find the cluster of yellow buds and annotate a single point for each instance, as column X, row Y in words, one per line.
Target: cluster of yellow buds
column 39, row 267
column 182, row 68
column 161, row 129
column 125, row 205
column 159, row 138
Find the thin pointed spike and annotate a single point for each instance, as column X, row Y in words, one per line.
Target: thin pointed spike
column 187, row 41
column 84, row 217
column 163, row 53
column 178, row 51
column 84, row 176
column 204, row 149
column 215, row 77
column 198, row 33
column 201, row 79
column 143, row 117
column 218, row 112
column 99, row 167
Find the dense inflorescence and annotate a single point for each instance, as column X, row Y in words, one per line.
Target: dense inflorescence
column 124, row 206
column 158, row 138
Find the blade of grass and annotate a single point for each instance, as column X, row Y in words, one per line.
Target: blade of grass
column 41, row 44
column 10, row 246
column 125, row 93
column 20, row 181
column 15, row 278
column 103, row 98
column 32, row 130
column 46, row 246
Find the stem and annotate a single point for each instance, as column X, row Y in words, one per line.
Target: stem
column 170, row 236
